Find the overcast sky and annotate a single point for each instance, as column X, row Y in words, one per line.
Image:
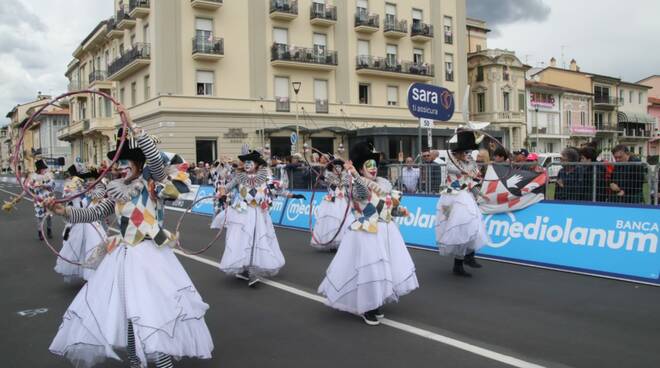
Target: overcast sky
column 612, row 37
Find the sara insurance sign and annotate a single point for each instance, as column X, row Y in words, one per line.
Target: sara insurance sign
column 426, row 101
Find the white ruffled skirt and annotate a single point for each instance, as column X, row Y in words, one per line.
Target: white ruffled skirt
column 459, row 226
column 369, row 270
column 148, row 286
column 251, row 244
column 329, row 216
column 218, row 220
column 82, row 240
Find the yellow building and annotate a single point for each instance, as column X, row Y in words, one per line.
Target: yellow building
column 18, row 116
column 207, row 76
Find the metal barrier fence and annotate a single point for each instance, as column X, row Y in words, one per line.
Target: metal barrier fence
column 631, row 183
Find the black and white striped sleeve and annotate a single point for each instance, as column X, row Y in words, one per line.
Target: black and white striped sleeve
column 90, row 214
column 98, row 192
column 360, row 189
column 152, row 154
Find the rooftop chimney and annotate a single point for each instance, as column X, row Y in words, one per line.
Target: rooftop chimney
column 553, row 63
column 574, row 66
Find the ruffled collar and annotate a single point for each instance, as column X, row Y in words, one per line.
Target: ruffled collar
column 119, row 191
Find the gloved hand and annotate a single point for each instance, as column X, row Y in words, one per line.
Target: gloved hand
column 298, row 196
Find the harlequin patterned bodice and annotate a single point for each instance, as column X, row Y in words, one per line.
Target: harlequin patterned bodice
column 141, row 216
column 378, row 205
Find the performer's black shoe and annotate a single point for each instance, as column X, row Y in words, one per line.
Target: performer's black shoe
column 243, row 276
column 378, row 313
column 459, row 270
column 49, row 233
column 41, row 235
column 470, row 261
column 370, row 318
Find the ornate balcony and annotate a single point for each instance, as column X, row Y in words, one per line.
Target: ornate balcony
column 113, row 31
column 323, row 15
column 206, row 4
column 366, row 23
column 133, row 60
column 139, row 8
column 282, row 104
column 378, row 66
column 607, row 101
column 283, row 9
column 298, row 57
column 208, row 49
column 394, row 28
column 322, row 106
column 124, row 20
column 99, row 78
column 421, row 32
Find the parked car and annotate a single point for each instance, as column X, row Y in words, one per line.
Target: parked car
column 550, row 162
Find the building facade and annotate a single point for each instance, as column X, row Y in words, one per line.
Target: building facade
column 477, row 35
column 18, row 116
column 208, row 76
column 497, row 93
column 5, row 142
column 45, row 144
column 654, row 111
column 635, row 124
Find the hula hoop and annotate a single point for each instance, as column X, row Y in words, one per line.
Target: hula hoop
column 54, row 250
column 343, row 221
column 122, row 116
column 180, row 222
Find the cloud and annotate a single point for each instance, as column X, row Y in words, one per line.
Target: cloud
column 15, row 14
column 502, row 12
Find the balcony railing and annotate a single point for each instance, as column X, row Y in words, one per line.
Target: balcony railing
column 282, row 52
column 607, row 100
column 551, row 130
column 396, row 26
column 282, row 104
column 509, row 115
column 635, row 133
column 124, row 19
column 387, row 65
column 97, row 76
column 202, row 45
column 137, row 4
column 284, row 6
column 323, row 12
column 363, row 19
column 206, row 4
column 140, row 51
column 421, row 29
column 604, row 127
column 322, row 106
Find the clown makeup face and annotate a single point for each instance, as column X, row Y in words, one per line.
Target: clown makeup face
column 370, row 169
column 250, row 166
column 123, row 168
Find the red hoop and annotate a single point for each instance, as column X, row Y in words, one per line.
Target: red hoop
column 180, row 222
column 52, row 248
column 122, row 116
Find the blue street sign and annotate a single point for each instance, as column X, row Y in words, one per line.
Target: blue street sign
column 294, row 138
column 430, row 102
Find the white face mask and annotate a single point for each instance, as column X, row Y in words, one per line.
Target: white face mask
column 124, row 168
column 249, row 166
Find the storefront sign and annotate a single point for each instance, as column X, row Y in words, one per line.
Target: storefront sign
column 542, row 100
column 583, row 130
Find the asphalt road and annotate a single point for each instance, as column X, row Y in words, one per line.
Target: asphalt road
column 505, row 316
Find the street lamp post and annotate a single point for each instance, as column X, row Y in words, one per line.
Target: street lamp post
column 296, row 89
column 536, row 110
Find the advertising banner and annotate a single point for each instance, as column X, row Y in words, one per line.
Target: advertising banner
column 619, row 242
column 186, row 199
column 204, row 207
column 297, row 210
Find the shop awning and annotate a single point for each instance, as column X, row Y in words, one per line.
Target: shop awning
column 288, row 128
column 631, row 117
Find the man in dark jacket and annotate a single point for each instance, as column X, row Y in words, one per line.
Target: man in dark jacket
column 299, row 173
column 627, row 184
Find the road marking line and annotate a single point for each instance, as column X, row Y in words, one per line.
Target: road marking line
column 509, row 360
column 502, row 358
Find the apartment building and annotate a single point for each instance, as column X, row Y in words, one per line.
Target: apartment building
column 45, row 144
column 557, row 117
column 5, row 143
column 497, row 94
column 207, row 76
column 615, row 121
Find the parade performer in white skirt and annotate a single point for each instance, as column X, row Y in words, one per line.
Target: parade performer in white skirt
column 140, row 299
column 80, row 240
column 460, row 230
column 251, row 247
column 372, row 265
column 331, row 213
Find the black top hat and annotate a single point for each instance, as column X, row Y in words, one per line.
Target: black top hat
column 40, row 165
column 361, row 153
column 334, row 162
column 253, row 156
column 130, row 150
column 466, row 142
column 82, row 173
